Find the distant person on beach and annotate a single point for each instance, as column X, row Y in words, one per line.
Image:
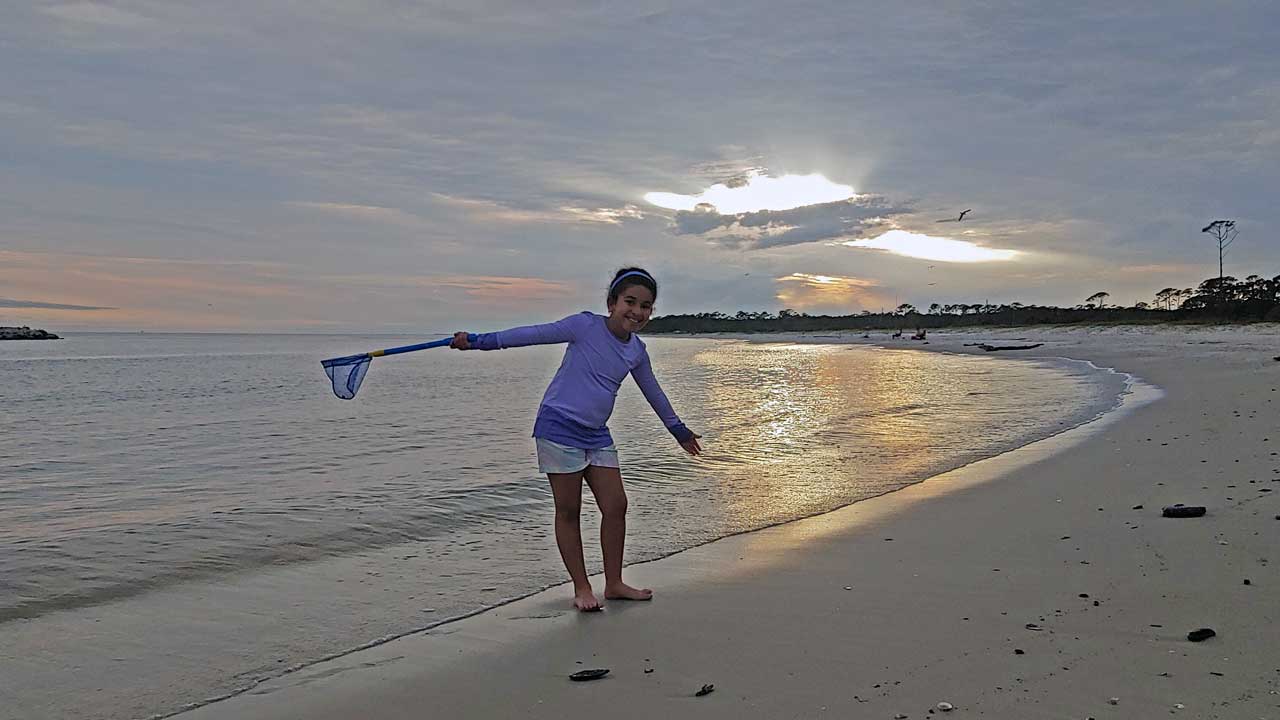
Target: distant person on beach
column 572, row 440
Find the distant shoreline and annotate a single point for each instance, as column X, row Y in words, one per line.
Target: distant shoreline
column 751, row 329
column 693, row 325
column 26, row 333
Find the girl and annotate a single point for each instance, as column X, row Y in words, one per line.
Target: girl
column 573, row 442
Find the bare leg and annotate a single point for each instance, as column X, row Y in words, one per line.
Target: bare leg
column 606, row 485
column 566, row 488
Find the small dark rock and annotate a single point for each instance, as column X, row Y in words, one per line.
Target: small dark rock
column 648, row 670
column 706, row 690
column 1201, row 635
column 595, row 674
column 1183, row 511
column 1246, row 581
column 1137, row 507
column 1019, row 652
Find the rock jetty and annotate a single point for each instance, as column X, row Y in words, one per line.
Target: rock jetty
column 25, row 333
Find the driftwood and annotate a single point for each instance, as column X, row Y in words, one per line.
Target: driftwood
column 993, row 348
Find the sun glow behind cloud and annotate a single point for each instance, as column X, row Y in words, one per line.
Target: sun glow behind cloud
column 927, row 247
column 807, row 290
column 758, row 192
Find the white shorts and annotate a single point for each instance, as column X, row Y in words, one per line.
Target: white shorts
column 556, row 458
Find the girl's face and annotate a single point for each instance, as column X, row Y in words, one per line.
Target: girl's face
column 632, row 309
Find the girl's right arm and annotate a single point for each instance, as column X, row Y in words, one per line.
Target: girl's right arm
column 560, row 331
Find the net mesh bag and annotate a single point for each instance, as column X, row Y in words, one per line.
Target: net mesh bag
column 347, row 373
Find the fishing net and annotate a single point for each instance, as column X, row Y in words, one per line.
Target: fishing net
column 347, row 373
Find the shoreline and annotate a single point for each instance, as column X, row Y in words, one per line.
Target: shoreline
column 491, row 638
column 1134, row 393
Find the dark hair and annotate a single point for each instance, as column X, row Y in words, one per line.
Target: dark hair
column 634, row 276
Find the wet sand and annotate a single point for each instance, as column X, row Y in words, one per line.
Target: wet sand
column 1040, row 584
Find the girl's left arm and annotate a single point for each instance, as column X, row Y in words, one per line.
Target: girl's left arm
column 643, row 374
column 561, row 331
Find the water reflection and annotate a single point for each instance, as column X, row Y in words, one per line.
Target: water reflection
column 796, row 429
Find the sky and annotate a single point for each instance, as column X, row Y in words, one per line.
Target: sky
column 342, row 166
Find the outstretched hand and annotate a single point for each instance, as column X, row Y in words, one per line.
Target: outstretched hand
column 460, row 341
column 691, row 445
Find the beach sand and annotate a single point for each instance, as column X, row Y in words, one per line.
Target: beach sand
column 1031, row 585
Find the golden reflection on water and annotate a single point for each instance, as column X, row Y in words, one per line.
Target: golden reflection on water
column 791, row 420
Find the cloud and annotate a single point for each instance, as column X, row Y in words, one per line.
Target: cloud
column 361, row 212
column 927, row 247
column 608, row 216
column 96, row 13
column 804, row 291
column 504, row 288
column 856, row 217
column 175, row 128
column 34, row 304
column 493, row 211
column 756, row 191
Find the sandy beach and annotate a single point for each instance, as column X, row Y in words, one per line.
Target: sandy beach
column 1043, row 583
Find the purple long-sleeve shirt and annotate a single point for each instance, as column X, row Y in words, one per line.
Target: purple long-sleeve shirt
column 580, row 398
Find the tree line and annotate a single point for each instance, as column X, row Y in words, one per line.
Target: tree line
column 1218, row 299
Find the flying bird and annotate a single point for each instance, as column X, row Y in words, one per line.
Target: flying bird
column 966, row 212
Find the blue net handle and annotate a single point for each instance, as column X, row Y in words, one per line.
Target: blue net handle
column 347, row 372
column 471, row 337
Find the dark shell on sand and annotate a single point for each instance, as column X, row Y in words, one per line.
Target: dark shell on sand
column 1201, row 635
column 589, row 674
column 1184, row 511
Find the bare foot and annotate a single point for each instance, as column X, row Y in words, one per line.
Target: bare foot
column 623, row 591
column 585, row 600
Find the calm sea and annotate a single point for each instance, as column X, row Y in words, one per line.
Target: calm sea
column 181, row 515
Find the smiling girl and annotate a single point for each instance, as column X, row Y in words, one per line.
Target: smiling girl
column 572, row 439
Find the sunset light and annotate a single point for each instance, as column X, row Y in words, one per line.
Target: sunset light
column 927, row 247
column 807, row 290
column 758, row 192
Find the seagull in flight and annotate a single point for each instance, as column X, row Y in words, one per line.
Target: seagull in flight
column 966, row 212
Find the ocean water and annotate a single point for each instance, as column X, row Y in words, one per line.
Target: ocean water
column 183, row 515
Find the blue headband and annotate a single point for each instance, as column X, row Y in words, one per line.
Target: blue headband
column 623, row 276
